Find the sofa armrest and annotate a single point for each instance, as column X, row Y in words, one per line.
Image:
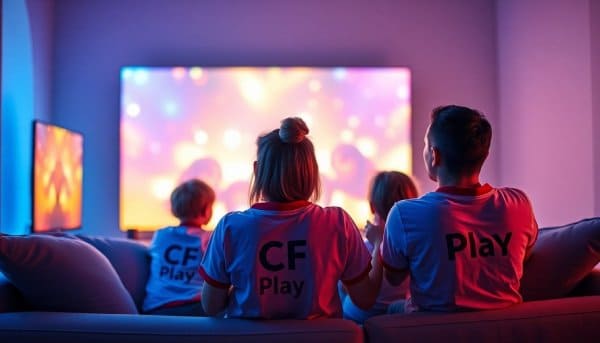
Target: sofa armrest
column 27, row 327
column 10, row 298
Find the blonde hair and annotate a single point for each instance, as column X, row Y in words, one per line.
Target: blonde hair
column 389, row 187
column 286, row 167
column 191, row 199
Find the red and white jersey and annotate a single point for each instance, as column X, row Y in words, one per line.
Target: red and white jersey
column 283, row 260
column 464, row 247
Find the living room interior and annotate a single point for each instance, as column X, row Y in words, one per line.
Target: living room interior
column 532, row 67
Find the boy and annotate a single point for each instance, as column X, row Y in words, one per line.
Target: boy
column 464, row 244
column 174, row 285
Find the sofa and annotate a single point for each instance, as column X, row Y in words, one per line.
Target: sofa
column 41, row 299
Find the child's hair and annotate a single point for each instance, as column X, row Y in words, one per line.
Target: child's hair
column 191, row 199
column 389, row 187
column 463, row 136
column 286, row 167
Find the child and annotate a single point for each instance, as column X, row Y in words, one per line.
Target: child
column 387, row 188
column 174, row 285
column 283, row 257
column 464, row 245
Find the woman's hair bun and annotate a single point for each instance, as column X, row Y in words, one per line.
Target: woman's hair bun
column 293, row 130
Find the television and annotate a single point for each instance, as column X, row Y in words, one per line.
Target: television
column 179, row 123
column 57, row 178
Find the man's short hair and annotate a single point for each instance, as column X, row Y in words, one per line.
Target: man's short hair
column 463, row 136
column 191, row 199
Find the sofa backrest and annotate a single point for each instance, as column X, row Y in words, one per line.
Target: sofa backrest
column 130, row 259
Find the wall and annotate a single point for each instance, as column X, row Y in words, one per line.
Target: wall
column 1, row 111
column 595, row 39
column 26, row 45
column 450, row 47
column 545, row 106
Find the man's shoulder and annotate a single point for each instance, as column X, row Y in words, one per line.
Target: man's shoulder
column 512, row 194
column 427, row 199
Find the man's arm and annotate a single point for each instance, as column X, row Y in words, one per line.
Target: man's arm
column 394, row 276
column 214, row 299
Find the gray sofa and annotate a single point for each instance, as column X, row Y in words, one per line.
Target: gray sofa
column 573, row 318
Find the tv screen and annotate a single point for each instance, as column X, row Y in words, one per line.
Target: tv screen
column 57, row 178
column 183, row 122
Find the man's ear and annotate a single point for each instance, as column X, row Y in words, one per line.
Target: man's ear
column 436, row 157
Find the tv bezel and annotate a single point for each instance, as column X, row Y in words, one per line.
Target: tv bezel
column 34, row 139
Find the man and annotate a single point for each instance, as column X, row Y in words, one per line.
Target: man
column 464, row 245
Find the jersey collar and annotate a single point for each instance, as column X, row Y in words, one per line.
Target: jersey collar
column 190, row 224
column 471, row 191
column 280, row 206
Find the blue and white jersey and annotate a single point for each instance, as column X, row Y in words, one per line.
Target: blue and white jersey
column 176, row 253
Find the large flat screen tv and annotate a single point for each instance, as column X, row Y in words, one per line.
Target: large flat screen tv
column 57, row 178
column 184, row 122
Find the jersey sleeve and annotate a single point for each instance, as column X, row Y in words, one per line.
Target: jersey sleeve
column 358, row 259
column 213, row 268
column 534, row 229
column 393, row 246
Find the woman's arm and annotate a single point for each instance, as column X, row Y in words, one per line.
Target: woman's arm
column 365, row 291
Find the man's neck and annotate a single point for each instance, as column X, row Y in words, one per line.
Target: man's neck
column 462, row 181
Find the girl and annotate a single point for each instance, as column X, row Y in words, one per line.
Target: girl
column 283, row 257
column 387, row 188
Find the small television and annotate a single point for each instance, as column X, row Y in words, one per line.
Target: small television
column 57, row 178
column 179, row 123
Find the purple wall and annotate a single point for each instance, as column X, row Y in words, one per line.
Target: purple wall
column 595, row 39
column 545, row 107
column 449, row 45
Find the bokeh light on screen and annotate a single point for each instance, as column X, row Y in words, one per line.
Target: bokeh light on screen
column 57, row 178
column 179, row 123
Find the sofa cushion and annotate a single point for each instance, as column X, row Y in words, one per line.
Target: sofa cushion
column 590, row 285
column 87, row 327
column 63, row 274
column 10, row 298
column 130, row 260
column 561, row 258
column 557, row 320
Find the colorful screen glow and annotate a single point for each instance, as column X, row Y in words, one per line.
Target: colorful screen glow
column 178, row 123
column 57, row 178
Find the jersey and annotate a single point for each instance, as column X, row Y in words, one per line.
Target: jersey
column 283, row 260
column 176, row 253
column 464, row 248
